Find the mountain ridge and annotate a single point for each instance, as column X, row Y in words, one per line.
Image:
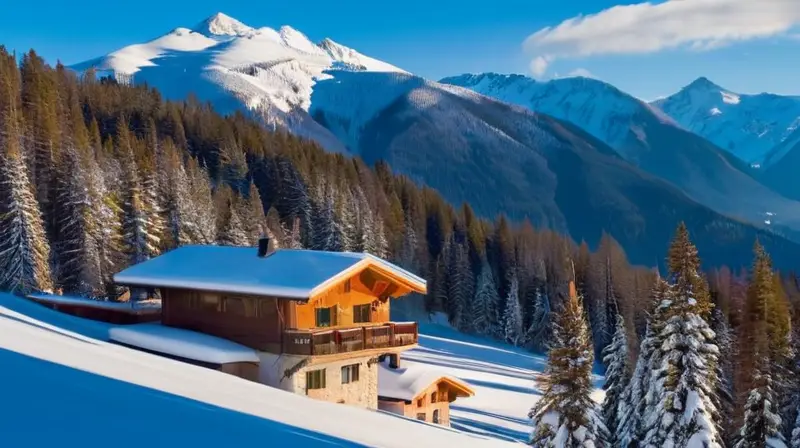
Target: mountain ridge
column 648, row 138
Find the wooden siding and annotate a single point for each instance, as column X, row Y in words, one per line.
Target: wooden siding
column 256, row 322
column 343, row 299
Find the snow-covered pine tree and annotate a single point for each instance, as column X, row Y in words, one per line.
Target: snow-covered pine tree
column 484, row 306
column 539, row 329
column 633, row 404
column 512, row 316
column 346, row 214
column 77, row 255
column 615, row 357
column 202, row 202
column 762, row 424
column 681, row 408
column 566, row 416
column 24, row 249
column 140, row 231
column 251, row 212
column 460, row 284
column 326, row 230
column 232, row 232
column 794, row 442
column 179, row 207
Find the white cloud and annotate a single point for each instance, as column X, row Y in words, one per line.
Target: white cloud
column 539, row 66
column 698, row 25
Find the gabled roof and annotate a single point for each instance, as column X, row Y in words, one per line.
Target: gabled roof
column 410, row 380
column 286, row 273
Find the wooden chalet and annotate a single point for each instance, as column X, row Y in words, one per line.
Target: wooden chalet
column 418, row 392
column 317, row 319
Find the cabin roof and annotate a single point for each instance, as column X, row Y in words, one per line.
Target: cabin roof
column 132, row 305
column 409, row 381
column 182, row 343
column 286, row 273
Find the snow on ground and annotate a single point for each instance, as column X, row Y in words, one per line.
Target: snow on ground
column 59, row 373
column 501, row 375
column 61, row 383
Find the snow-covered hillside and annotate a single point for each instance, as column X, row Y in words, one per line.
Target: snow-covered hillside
column 268, row 72
column 749, row 126
column 59, row 374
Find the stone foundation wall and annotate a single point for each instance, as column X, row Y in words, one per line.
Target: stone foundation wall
column 362, row 393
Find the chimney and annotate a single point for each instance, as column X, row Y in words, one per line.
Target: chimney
column 266, row 246
column 394, row 360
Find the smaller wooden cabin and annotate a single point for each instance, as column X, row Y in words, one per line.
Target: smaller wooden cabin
column 419, row 391
column 120, row 313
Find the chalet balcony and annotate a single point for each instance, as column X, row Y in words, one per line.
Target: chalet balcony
column 336, row 341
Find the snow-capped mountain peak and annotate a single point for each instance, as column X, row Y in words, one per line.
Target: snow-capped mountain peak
column 747, row 126
column 221, row 24
column 266, row 72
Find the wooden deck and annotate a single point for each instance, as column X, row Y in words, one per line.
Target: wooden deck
column 330, row 342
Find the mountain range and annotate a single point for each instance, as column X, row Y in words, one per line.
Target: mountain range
column 576, row 155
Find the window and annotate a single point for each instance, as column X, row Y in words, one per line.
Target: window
column 325, row 317
column 421, row 416
column 315, row 379
column 433, row 397
column 361, row 313
column 208, row 302
column 436, row 416
column 235, row 305
column 350, row 374
column 419, row 403
column 347, row 286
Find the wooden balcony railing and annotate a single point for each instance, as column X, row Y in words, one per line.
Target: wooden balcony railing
column 329, row 342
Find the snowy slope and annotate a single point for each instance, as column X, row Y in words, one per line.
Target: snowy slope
column 270, row 73
column 749, row 126
column 58, row 374
column 501, row 376
column 648, row 138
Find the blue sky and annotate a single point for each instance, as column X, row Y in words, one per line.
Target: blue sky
column 648, row 50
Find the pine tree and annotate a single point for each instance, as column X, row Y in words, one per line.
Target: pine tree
column 762, row 424
column 615, row 357
column 79, row 261
column 681, row 407
column 24, row 249
column 512, row 317
column 484, row 306
column 202, row 201
column 566, row 416
column 252, row 215
column 232, row 232
column 460, row 282
column 633, row 404
column 141, row 235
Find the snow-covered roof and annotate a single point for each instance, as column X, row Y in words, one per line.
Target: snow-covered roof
column 286, row 273
column 182, row 343
column 408, row 381
column 133, row 305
